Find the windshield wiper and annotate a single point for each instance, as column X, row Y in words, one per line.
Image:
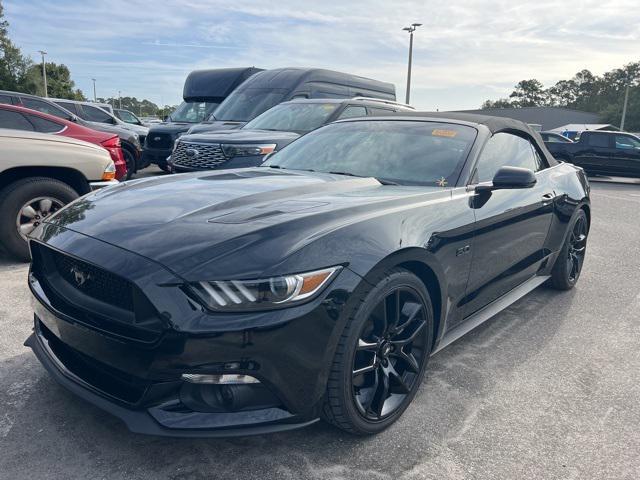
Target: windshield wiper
column 345, row 173
column 381, row 180
column 273, row 166
column 386, row 182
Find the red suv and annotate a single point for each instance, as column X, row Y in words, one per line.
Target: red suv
column 20, row 118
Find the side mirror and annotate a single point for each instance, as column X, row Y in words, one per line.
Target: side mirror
column 510, row 178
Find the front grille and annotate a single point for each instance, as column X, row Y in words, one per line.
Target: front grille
column 198, row 155
column 94, row 296
column 159, row 140
column 94, row 281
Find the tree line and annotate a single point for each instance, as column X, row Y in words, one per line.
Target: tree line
column 602, row 94
column 19, row 73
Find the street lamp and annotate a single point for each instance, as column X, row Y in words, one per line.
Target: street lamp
column 44, row 72
column 119, row 99
column 95, row 99
column 410, row 29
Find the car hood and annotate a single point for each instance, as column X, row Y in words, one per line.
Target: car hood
column 123, row 133
column 171, row 127
column 194, row 221
column 139, row 129
column 215, row 126
column 241, row 136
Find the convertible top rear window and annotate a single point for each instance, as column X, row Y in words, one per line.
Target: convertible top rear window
column 401, row 151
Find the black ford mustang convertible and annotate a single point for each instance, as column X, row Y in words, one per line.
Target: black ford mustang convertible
column 315, row 286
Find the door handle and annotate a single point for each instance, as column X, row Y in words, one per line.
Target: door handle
column 547, row 198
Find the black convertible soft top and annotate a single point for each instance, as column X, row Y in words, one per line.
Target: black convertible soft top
column 494, row 124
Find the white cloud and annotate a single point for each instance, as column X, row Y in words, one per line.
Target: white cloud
column 465, row 51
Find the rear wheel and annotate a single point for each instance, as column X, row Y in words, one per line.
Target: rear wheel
column 568, row 266
column 130, row 160
column 24, row 205
column 381, row 357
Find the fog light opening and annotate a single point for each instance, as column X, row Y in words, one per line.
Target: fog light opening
column 226, row 379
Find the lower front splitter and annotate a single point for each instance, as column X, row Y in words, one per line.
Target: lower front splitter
column 161, row 422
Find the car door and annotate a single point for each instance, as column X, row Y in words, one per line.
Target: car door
column 625, row 159
column 511, row 225
column 594, row 153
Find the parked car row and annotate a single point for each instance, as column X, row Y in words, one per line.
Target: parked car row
column 129, row 139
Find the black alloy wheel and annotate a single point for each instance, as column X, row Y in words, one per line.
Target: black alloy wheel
column 568, row 266
column 130, row 160
column 381, row 357
column 390, row 350
column 577, row 248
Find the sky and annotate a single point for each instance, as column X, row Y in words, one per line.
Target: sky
column 465, row 51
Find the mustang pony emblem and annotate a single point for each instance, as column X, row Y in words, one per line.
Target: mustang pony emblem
column 79, row 276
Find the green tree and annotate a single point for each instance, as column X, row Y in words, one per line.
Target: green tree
column 528, row 93
column 139, row 107
column 585, row 91
column 500, row 103
column 13, row 65
column 59, row 83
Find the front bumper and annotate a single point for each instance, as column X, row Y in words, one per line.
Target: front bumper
column 157, row 156
column 158, row 420
column 138, row 377
column 102, row 184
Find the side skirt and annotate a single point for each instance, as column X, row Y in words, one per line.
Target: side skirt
column 489, row 311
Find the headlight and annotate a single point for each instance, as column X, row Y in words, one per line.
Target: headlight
column 250, row 150
column 263, row 294
column 109, row 172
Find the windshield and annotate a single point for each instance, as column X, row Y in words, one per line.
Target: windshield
column 404, row 152
column 128, row 117
column 192, row 112
column 294, row 117
column 247, row 104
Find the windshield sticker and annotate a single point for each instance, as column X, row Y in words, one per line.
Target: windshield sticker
column 442, row 182
column 444, row 133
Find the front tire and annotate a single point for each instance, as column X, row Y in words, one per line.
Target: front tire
column 568, row 266
column 381, row 356
column 24, row 204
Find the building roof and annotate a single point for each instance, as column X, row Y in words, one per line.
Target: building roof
column 581, row 127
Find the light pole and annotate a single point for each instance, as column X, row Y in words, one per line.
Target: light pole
column 119, row 100
column 44, row 72
column 410, row 29
column 95, row 99
column 624, row 108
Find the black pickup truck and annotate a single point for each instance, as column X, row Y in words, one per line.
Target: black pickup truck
column 601, row 153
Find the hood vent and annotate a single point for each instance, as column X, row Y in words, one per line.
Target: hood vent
column 260, row 212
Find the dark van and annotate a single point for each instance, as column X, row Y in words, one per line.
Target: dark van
column 271, row 87
column 203, row 91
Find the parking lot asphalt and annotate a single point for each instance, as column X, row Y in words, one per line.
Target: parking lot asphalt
column 549, row 388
